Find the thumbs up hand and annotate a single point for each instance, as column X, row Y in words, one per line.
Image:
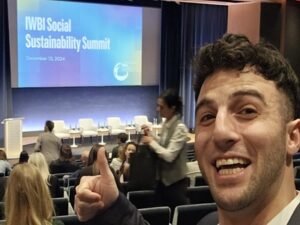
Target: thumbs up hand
column 96, row 193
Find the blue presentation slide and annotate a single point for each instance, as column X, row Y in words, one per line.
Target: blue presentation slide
column 67, row 44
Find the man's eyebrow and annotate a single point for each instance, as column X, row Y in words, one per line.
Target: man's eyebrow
column 205, row 101
column 250, row 92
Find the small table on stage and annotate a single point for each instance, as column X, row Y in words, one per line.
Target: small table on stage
column 101, row 132
column 74, row 134
column 130, row 130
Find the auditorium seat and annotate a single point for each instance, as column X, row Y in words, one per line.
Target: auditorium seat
column 72, row 193
column 191, row 214
column 157, row 215
column 142, row 199
column 199, row 181
column 199, row 194
column 61, row 206
column 297, row 171
column 69, row 220
column 2, row 211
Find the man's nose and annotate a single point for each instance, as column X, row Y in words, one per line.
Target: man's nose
column 225, row 134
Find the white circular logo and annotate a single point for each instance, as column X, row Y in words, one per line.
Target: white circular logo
column 121, row 71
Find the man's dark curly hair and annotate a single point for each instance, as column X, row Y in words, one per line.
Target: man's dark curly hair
column 236, row 52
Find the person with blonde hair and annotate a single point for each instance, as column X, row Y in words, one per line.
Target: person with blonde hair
column 27, row 198
column 39, row 160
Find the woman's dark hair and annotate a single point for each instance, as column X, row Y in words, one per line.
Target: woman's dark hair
column 93, row 154
column 235, row 52
column 65, row 153
column 122, row 137
column 23, row 157
column 172, row 99
column 50, row 125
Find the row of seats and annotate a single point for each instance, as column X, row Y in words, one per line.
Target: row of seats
column 146, row 198
column 88, row 127
column 61, row 207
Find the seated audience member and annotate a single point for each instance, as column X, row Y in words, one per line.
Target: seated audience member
column 84, row 162
column 27, row 198
column 65, row 163
column 122, row 138
column 38, row 160
column 247, row 131
column 116, row 162
column 23, row 158
column 5, row 166
column 84, row 157
column 129, row 148
column 92, row 167
column 47, row 143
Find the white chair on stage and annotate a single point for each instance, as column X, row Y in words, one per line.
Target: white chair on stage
column 140, row 120
column 115, row 125
column 60, row 130
column 87, row 128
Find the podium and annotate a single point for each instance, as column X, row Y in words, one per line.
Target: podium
column 13, row 136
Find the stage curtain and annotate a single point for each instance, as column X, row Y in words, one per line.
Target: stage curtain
column 5, row 85
column 170, row 45
column 200, row 24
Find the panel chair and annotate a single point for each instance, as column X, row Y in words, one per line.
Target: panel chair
column 157, row 215
column 191, row 214
column 87, row 128
column 115, row 125
column 60, row 130
column 139, row 121
column 142, row 198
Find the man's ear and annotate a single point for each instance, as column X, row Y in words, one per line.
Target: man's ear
column 293, row 136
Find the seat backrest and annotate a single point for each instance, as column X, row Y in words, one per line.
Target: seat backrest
column 199, row 194
column 59, row 126
column 199, row 181
column 142, row 199
column 61, row 206
column 86, row 124
column 191, row 214
column 114, row 122
column 157, row 215
column 297, row 171
column 69, row 220
column 2, row 211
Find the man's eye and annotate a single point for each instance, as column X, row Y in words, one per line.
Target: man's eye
column 205, row 119
column 246, row 111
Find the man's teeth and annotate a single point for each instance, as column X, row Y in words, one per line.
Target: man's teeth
column 232, row 161
column 230, row 171
column 231, row 165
